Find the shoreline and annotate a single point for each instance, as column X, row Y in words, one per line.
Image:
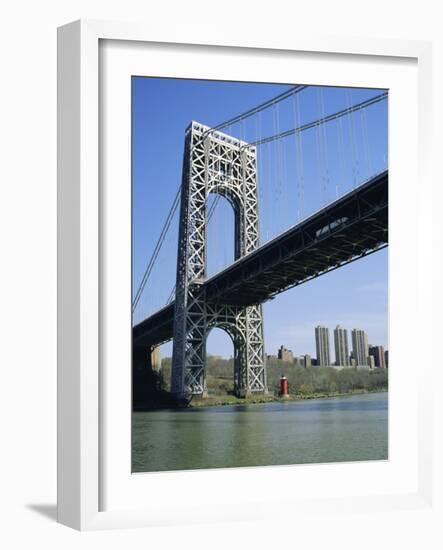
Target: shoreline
column 223, row 400
column 226, row 400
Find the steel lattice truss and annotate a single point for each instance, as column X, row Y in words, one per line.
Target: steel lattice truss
column 215, row 163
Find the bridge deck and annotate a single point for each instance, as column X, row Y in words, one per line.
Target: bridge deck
column 345, row 230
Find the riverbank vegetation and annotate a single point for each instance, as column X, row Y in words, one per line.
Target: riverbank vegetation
column 304, row 383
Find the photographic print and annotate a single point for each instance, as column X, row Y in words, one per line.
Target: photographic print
column 259, row 274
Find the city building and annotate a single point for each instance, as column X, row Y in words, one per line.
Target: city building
column 307, row 361
column 285, row 354
column 378, row 353
column 371, row 361
column 386, row 358
column 341, row 346
column 360, row 346
column 322, row 346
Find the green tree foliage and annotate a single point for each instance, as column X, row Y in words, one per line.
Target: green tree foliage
column 302, row 381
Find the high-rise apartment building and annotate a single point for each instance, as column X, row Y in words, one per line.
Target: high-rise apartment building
column 360, row 346
column 378, row 353
column 322, row 346
column 341, row 346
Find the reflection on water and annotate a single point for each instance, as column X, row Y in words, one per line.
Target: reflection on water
column 295, row 432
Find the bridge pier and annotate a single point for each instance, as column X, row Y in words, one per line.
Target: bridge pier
column 215, row 163
column 146, row 384
column 146, row 357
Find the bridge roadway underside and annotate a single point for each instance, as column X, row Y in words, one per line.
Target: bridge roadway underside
column 348, row 229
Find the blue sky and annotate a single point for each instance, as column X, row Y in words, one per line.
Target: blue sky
column 335, row 158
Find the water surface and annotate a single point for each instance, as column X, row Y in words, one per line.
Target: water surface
column 296, row 432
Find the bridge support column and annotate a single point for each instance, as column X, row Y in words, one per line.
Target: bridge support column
column 245, row 327
column 215, row 163
column 250, row 366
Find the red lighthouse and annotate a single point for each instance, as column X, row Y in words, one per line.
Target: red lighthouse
column 284, row 387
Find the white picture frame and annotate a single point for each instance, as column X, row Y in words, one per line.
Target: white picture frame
column 82, row 434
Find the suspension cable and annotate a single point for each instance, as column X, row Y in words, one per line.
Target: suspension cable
column 239, row 118
column 324, row 120
column 157, row 249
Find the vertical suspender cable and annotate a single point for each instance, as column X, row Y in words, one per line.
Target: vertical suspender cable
column 279, row 170
column 317, row 153
column 274, row 198
column 324, row 139
column 258, row 174
column 366, row 141
column 298, row 158
column 271, row 191
column 341, row 158
column 301, row 162
column 356, row 170
column 284, row 209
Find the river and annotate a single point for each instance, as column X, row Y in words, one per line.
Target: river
column 339, row 429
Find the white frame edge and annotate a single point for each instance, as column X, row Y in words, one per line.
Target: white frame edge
column 77, row 264
column 78, row 250
column 68, row 281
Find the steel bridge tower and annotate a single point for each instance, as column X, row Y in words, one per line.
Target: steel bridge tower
column 215, row 163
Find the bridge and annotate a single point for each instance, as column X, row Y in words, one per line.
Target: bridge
column 343, row 231
column 352, row 227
